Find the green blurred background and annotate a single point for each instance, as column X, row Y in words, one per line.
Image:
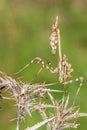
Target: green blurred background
column 25, row 27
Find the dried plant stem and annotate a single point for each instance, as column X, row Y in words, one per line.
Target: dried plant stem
column 60, row 53
column 59, row 43
column 18, row 120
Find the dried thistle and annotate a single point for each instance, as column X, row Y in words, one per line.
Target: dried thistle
column 26, row 96
column 63, row 114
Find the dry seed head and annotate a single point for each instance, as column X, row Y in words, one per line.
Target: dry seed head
column 66, row 70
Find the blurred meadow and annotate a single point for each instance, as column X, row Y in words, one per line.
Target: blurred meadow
column 25, row 27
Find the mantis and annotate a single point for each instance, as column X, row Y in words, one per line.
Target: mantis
column 63, row 69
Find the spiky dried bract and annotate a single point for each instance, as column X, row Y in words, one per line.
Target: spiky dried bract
column 26, row 96
column 63, row 115
column 36, row 126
